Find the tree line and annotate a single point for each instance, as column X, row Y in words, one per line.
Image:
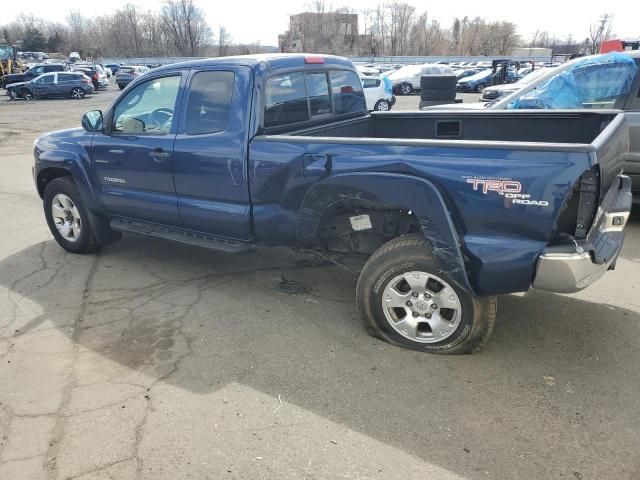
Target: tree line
column 180, row 28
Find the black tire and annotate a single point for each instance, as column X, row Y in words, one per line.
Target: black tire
column 438, row 82
column 382, row 106
column 439, row 95
column 409, row 253
column 121, row 87
column 27, row 95
column 86, row 242
column 480, row 88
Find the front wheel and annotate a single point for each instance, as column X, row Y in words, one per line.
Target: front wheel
column 67, row 218
column 405, row 299
column 382, row 106
column 480, row 88
column 406, row 89
column 27, row 95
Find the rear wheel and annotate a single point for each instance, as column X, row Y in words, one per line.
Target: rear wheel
column 67, row 218
column 405, row 299
column 77, row 93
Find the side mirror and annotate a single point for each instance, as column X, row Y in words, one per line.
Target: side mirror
column 92, row 121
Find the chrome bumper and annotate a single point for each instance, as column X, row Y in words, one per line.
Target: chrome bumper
column 570, row 268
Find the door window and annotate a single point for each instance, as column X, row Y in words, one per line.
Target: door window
column 209, row 103
column 346, row 91
column 147, row 108
column 45, row 79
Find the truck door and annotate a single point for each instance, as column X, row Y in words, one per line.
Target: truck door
column 210, row 168
column 133, row 159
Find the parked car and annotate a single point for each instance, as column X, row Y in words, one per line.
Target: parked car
column 32, row 73
column 126, row 74
column 446, row 225
column 406, row 80
column 98, row 78
column 477, row 82
column 375, row 94
column 114, row 67
column 489, row 94
column 58, row 84
column 106, row 70
column 610, row 80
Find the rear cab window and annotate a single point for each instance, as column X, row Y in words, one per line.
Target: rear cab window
column 305, row 96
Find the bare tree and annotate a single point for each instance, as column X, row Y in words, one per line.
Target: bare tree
column 186, row 26
column 224, row 40
column 600, row 31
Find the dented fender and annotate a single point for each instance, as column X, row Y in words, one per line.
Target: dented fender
column 408, row 193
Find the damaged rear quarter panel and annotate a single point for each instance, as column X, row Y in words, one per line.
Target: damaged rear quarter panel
column 484, row 241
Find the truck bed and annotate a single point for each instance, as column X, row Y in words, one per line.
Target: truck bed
column 567, row 127
column 545, row 153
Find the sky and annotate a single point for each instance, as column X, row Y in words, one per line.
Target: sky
column 262, row 20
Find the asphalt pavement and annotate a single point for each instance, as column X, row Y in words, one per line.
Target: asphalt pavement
column 151, row 360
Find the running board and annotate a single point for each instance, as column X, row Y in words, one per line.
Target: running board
column 179, row 235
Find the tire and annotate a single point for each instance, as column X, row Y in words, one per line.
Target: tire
column 76, row 93
column 480, row 88
column 382, row 106
column 440, row 95
column 406, row 89
column 121, row 87
column 85, row 240
column 438, row 82
column 464, row 328
column 27, row 95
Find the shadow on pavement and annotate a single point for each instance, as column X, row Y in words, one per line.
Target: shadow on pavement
column 558, row 379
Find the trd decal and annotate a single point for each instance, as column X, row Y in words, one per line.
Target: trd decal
column 508, row 188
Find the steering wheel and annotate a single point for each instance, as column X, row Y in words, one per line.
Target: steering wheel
column 159, row 119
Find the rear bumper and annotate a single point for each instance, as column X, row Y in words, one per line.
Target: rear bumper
column 570, row 268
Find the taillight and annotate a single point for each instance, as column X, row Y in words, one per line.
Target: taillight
column 86, row 80
column 95, row 77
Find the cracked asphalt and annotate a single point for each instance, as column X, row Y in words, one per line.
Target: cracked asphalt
column 152, row 360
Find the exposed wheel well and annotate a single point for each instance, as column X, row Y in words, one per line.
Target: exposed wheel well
column 336, row 232
column 45, row 177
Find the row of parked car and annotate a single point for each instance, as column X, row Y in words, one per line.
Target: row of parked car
column 471, row 76
column 67, row 80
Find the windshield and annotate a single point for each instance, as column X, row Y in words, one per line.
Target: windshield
column 603, row 81
column 6, row 52
column 478, row 76
column 537, row 73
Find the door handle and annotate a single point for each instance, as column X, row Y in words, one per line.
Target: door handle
column 316, row 165
column 159, row 155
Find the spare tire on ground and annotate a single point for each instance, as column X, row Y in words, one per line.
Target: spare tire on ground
column 437, row 82
column 430, row 94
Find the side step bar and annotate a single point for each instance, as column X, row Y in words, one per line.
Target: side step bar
column 179, row 235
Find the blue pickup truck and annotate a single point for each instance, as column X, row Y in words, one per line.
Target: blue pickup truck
column 449, row 209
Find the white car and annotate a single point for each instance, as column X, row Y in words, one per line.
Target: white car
column 375, row 95
column 406, row 79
